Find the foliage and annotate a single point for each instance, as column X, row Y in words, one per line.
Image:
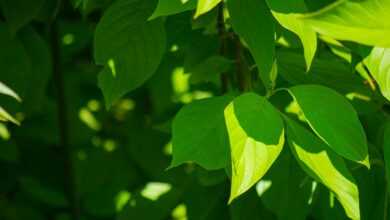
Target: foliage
column 194, row 109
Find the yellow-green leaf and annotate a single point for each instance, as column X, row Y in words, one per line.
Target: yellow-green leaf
column 307, row 35
column 171, row 7
column 205, row 6
column 378, row 62
column 366, row 21
column 334, row 120
column 256, row 137
column 5, row 116
column 324, row 166
column 5, row 90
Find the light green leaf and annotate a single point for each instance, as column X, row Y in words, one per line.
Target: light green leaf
column 324, row 166
column 199, row 134
column 7, row 91
column 334, row 120
column 205, row 6
column 128, row 46
column 378, row 63
column 305, row 33
column 5, row 116
column 256, row 136
column 348, row 20
column 286, row 13
column 20, row 12
column 253, row 21
column 171, row 7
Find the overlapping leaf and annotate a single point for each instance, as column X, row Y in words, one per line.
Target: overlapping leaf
column 253, row 21
column 128, row 46
column 286, row 13
column 324, row 166
column 366, row 22
column 256, row 136
column 171, row 7
column 205, row 6
column 334, row 120
column 199, row 134
column 378, row 63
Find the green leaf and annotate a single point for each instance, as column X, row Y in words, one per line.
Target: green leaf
column 286, row 13
column 20, row 12
column 365, row 21
column 8, row 91
column 39, row 55
column 256, row 137
column 199, row 134
column 378, row 63
column 328, row 71
column 42, row 193
column 128, row 46
column 14, row 62
column 205, row 6
column 253, row 21
column 386, row 150
column 324, row 166
column 171, row 7
column 210, row 69
column 334, row 120
column 5, row 116
column 287, row 201
column 305, row 33
column 9, row 151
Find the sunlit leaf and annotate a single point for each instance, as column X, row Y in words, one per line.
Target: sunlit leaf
column 171, row 7
column 8, row 91
column 252, row 20
column 365, row 21
column 5, row 116
column 128, row 46
column 324, row 166
column 378, row 63
column 199, row 134
column 286, row 13
column 334, row 120
column 256, row 136
column 205, row 6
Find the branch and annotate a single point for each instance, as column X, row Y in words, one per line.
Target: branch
column 65, row 147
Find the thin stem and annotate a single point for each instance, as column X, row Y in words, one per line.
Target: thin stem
column 239, row 67
column 223, row 48
column 386, row 202
column 65, row 147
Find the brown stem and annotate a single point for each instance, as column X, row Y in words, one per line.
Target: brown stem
column 64, row 145
column 223, row 48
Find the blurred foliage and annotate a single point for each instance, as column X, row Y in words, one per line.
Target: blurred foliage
column 133, row 109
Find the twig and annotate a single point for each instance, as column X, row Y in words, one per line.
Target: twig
column 223, row 48
column 65, row 147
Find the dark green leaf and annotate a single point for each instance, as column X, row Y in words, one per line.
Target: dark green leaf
column 199, row 134
column 334, row 120
column 129, row 47
column 252, row 20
